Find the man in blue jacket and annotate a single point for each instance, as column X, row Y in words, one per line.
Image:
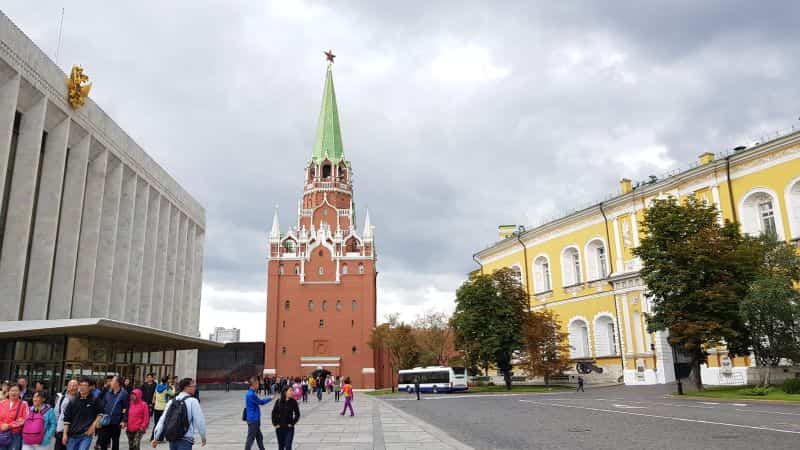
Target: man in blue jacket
column 253, row 415
column 116, row 408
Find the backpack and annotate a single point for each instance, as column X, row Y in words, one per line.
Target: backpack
column 297, row 390
column 176, row 424
column 33, row 429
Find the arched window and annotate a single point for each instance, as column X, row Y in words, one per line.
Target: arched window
column 284, row 324
column 354, row 349
column 321, row 323
column 354, row 305
column 338, row 305
column 541, row 275
column 344, row 269
column 605, row 337
column 311, row 305
column 571, row 266
column 289, row 246
column 326, row 170
column 578, row 338
column 360, row 268
column 297, row 269
column 760, row 214
column 280, row 269
column 793, row 203
column 596, row 260
column 283, row 350
column 321, row 270
column 516, row 273
column 286, row 305
column 324, row 305
column 352, row 324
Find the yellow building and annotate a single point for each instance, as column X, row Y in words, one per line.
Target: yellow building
column 581, row 266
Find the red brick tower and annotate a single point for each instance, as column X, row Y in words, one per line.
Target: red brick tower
column 321, row 277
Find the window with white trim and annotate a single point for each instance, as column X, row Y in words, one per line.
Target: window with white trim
column 793, row 203
column 541, row 275
column 605, row 337
column 579, row 339
column 596, row 260
column 760, row 215
column 571, row 267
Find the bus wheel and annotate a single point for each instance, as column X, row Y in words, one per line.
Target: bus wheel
column 410, row 390
column 435, row 390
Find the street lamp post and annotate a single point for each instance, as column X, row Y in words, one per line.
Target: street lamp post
column 675, row 368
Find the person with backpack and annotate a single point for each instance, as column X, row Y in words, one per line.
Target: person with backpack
column 81, row 418
column 40, row 425
column 13, row 412
column 347, row 391
column 162, row 395
column 285, row 415
column 115, row 414
column 182, row 418
column 61, row 406
column 138, row 419
column 252, row 414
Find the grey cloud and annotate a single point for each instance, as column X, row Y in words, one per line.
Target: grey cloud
column 226, row 98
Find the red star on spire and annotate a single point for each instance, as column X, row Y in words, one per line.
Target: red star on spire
column 329, row 55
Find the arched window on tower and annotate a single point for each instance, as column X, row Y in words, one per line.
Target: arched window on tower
column 360, row 268
column 326, row 170
column 311, row 305
column 355, row 305
column 297, row 269
column 344, row 269
column 286, row 305
column 338, row 305
column 324, row 305
column 280, row 269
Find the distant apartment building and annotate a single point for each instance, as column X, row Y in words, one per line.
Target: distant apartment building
column 224, row 335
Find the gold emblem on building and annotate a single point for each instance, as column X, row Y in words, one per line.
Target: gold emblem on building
column 78, row 87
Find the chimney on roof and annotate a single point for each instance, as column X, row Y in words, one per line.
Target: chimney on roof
column 706, row 158
column 625, row 185
column 506, row 231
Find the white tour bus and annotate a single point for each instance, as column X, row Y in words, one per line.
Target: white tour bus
column 433, row 379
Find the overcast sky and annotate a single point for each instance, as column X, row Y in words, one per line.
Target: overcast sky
column 456, row 116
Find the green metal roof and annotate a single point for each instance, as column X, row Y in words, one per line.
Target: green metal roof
column 328, row 143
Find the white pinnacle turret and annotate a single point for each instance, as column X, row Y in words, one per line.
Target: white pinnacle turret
column 276, row 226
column 367, row 226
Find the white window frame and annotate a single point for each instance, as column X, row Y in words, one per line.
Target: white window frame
column 792, row 198
column 542, row 279
column 569, row 277
column 593, row 261
column 750, row 212
column 574, row 349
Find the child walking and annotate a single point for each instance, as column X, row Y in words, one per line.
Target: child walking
column 347, row 391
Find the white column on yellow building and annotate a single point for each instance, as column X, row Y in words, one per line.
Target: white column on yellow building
column 635, row 229
column 627, row 318
column 623, row 347
column 617, row 244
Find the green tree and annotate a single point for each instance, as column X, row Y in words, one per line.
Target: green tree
column 696, row 272
column 771, row 308
column 434, row 337
column 397, row 339
column 546, row 346
column 489, row 317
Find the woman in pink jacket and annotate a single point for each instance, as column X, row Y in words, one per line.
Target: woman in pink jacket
column 138, row 419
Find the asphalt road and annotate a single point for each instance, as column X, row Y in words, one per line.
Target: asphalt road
column 607, row 418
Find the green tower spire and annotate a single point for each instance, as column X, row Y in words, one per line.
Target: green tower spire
column 328, row 143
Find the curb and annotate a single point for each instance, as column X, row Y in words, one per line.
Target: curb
column 432, row 430
column 735, row 400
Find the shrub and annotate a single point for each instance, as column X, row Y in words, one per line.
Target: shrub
column 791, row 386
column 757, row 391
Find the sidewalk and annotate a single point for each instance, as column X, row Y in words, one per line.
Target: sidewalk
column 376, row 425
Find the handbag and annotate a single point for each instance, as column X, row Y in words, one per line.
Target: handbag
column 6, row 436
column 244, row 414
column 106, row 420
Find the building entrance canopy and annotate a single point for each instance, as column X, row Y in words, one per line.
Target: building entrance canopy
column 104, row 329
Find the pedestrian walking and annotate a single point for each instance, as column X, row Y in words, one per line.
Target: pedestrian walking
column 160, row 399
column 182, row 418
column 347, row 391
column 305, row 390
column 81, row 418
column 580, row 384
column 337, row 388
column 115, row 415
column 320, row 386
column 138, row 419
column 285, row 415
column 252, row 414
column 148, row 389
column 25, row 392
column 13, row 412
column 416, row 386
column 228, row 383
column 40, row 425
column 61, row 406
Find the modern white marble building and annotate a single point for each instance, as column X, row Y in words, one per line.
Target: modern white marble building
column 90, row 226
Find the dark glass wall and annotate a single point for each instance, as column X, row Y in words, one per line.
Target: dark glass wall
column 237, row 361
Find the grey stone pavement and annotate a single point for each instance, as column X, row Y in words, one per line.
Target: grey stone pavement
column 376, row 425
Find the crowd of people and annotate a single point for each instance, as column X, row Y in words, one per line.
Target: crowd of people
column 86, row 416
column 288, row 393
